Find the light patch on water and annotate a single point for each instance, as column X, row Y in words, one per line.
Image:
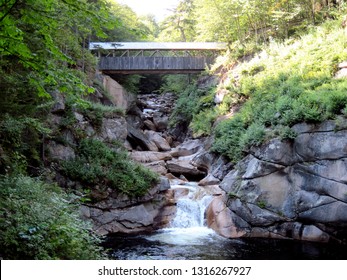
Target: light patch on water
column 184, row 236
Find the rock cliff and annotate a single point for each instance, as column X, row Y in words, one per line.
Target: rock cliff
column 284, row 189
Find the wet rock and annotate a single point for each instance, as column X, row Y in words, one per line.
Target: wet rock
column 221, row 219
column 180, row 192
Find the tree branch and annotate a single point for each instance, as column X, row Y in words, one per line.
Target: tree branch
column 9, row 10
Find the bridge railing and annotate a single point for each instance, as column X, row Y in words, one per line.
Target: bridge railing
column 156, row 49
column 149, row 57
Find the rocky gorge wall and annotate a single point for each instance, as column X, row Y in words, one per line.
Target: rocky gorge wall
column 285, row 189
column 282, row 189
column 111, row 211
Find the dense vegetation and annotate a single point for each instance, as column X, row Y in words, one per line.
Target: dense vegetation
column 97, row 164
column 290, row 80
column 284, row 85
column 40, row 221
column 43, row 54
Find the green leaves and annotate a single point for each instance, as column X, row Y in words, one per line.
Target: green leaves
column 99, row 165
column 37, row 221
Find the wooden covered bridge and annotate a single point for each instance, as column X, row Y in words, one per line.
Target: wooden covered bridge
column 155, row 58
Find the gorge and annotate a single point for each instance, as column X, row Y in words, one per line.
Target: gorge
column 289, row 190
column 245, row 160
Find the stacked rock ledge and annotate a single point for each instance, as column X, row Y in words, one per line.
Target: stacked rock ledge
column 293, row 190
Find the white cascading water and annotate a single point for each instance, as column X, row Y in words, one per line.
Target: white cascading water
column 188, row 226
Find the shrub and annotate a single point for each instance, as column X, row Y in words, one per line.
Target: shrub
column 175, row 83
column 20, row 139
column 227, row 138
column 38, row 221
column 202, row 122
column 286, row 84
column 98, row 164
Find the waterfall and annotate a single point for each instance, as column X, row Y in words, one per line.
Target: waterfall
column 191, row 208
column 188, row 226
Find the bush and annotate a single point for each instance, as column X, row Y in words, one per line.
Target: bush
column 202, row 122
column 227, row 138
column 175, row 83
column 97, row 164
column 20, row 139
column 38, row 221
column 285, row 85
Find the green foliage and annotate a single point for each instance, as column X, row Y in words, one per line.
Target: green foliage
column 37, row 221
column 95, row 112
column 195, row 106
column 227, row 138
column 175, row 83
column 97, row 164
column 36, row 36
column 202, row 122
column 20, row 139
column 180, row 25
column 253, row 136
column 232, row 195
column 286, row 84
column 262, row 204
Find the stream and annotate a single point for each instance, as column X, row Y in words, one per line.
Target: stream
column 188, row 238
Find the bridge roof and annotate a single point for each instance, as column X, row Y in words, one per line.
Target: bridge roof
column 152, row 46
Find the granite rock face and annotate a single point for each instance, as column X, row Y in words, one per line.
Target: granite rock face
column 285, row 189
column 123, row 214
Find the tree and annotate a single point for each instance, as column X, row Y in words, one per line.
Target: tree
column 180, row 25
column 36, row 43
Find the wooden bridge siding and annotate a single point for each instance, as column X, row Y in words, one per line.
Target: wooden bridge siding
column 153, row 63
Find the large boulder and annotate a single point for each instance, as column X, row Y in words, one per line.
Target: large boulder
column 114, row 129
column 146, row 156
column 158, row 140
column 183, row 167
column 118, row 213
column 137, row 138
column 221, row 219
column 187, row 148
column 292, row 189
column 118, row 95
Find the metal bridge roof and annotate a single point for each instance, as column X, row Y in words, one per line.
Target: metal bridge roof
column 156, row 46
